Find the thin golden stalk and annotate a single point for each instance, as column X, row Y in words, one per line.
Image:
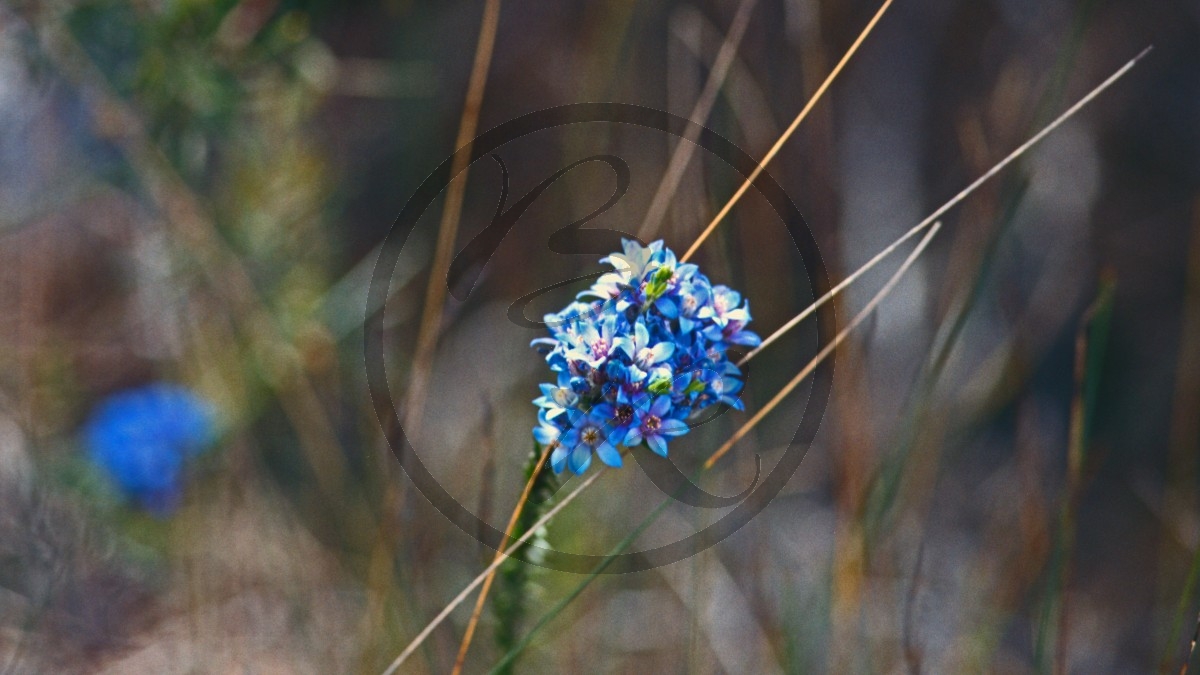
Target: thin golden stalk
column 435, row 291
column 1086, row 354
column 458, row 599
column 807, row 311
column 787, row 132
column 824, row 353
column 487, row 582
column 941, row 211
column 686, row 146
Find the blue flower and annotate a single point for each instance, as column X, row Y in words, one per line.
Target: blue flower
column 611, row 287
column 591, row 341
column 546, row 433
column 722, row 387
column 588, row 433
column 691, row 297
column 633, row 264
column 724, row 301
column 556, row 400
column 637, row 347
column 654, row 427
column 144, row 437
column 728, row 318
column 637, row 354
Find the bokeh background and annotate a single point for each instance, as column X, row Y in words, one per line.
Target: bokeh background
column 191, row 192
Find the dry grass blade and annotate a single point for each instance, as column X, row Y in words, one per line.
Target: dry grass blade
column 686, row 146
column 787, row 132
column 491, row 576
column 1090, row 341
column 435, row 292
column 807, row 311
column 931, row 220
column 824, row 353
column 666, row 189
column 458, row 599
column 944, row 208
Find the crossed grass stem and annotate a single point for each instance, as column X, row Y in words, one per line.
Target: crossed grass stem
column 824, row 354
column 503, row 553
column 930, row 222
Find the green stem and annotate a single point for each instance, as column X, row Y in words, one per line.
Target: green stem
column 549, row 616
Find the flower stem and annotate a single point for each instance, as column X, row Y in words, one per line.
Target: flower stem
column 487, row 582
column 462, row 595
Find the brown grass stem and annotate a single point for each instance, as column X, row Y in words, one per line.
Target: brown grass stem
column 458, row 599
column 787, row 134
column 487, row 582
column 941, row 211
column 504, row 554
column 430, row 326
column 930, row 222
column 1089, row 350
column 686, row 147
column 666, row 190
column 826, row 351
column 435, row 292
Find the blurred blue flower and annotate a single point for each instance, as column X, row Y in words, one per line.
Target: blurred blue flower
column 645, row 351
column 144, row 437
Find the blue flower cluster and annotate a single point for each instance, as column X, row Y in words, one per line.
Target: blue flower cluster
column 635, row 355
column 143, row 438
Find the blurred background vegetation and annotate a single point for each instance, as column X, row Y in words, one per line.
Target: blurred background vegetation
column 1005, row 479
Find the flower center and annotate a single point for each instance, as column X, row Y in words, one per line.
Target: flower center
column 624, row 413
column 651, row 423
column 590, row 435
column 600, row 348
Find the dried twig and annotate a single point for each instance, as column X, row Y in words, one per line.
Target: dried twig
column 787, row 133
